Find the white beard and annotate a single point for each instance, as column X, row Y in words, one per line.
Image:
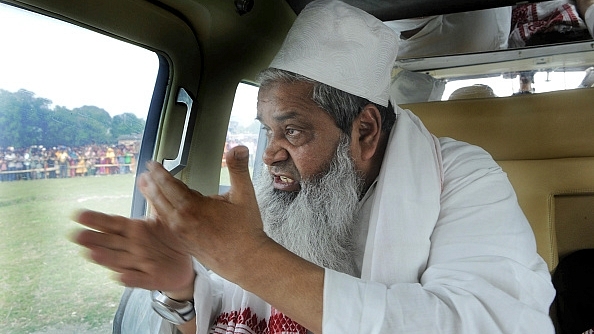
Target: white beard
column 318, row 222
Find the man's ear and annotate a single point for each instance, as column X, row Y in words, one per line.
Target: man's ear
column 367, row 130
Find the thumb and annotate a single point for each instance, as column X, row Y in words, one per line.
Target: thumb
column 242, row 189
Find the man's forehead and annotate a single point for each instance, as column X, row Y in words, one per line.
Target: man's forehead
column 287, row 101
column 280, row 88
column 283, row 115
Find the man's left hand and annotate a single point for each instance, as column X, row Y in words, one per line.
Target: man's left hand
column 221, row 231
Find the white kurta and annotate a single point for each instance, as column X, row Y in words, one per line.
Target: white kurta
column 482, row 274
column 448, row 249
column 445, row 248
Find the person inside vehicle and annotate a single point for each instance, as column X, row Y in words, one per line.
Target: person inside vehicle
column 526, row 79
column 586, row 11
column 363, row 221
column 476, row 91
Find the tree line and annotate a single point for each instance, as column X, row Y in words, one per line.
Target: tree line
column 27, row 120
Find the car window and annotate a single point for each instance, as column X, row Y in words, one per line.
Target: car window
column 73, row 108
column 499, row 73
column 528, row 82
column 243, row 129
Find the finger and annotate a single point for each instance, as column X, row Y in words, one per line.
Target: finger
column 100, row 221
column 152, row 192
column 115, row 260
column 90, row 238
column 242, row 189
column 109, row 250
column 162, row 187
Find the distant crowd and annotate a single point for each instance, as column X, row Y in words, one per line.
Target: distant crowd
column 38, row 162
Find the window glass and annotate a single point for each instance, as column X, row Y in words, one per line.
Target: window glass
column 73, row 105
column 527, row 82
column 243, row 129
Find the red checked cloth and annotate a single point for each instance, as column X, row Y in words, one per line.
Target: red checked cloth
column 247, row 322
column 542, row 17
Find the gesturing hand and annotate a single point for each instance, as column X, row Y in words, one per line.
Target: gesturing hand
column 220, row 231
column 143, row 252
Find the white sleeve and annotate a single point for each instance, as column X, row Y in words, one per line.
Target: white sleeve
column 483, row 273
column 139, row 317
column 207, row 297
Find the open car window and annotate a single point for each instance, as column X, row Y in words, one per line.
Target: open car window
column 73, row 108
column 244, row 129
column 500, row 73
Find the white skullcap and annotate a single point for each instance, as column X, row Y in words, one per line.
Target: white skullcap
column 476, row 91
column 343, row 47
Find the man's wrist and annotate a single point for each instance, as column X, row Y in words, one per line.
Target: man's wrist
column 179, row 297
column 174, row 311
column 184, row 294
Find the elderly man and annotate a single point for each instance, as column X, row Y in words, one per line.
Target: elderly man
column 365, row 222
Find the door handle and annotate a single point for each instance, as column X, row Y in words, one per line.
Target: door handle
column 176, row 165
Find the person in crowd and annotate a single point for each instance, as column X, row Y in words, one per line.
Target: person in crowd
column 3, row 170
column 27, row 165
column 63, row 162
column 72, row 162
column 19, row 167
column 110, row 159
column 81, row 165
column 90, row 165
column 362, row 222
column 127, row 161
column 11, row 159
column 50, row 166
column 37, row 165
column 120, row 158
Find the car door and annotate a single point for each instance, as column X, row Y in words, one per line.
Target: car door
column 83, row 99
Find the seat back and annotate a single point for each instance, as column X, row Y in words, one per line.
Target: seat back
column 545, row 143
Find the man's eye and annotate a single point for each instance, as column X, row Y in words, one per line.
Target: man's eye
column 292, row 132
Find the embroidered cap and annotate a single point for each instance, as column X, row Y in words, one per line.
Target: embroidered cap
column 343, row 47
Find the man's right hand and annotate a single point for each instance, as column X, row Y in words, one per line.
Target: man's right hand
column 142, row 252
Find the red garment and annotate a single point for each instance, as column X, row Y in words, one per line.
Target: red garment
column 542, row 17
column 246, row 322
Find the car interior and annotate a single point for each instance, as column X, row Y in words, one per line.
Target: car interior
column 544, row 141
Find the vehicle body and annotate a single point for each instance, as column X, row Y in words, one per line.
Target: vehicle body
column 544, row 141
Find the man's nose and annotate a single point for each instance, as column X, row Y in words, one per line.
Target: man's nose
column 274, row 153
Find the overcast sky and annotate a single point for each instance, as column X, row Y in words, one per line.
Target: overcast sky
column 72, row 66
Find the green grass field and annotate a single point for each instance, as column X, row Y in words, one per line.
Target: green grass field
column 45, row 283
